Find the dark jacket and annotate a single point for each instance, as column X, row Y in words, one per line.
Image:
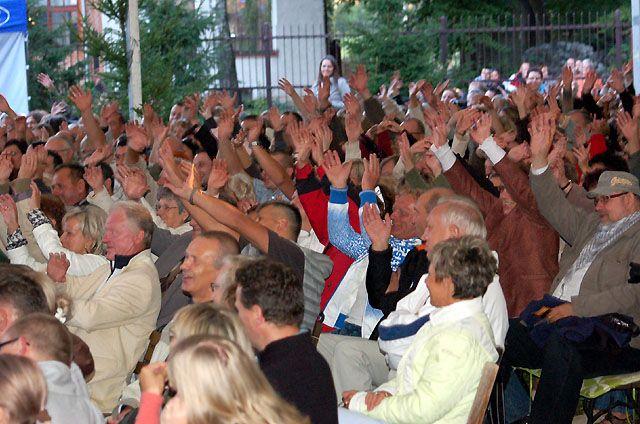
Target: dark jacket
column 301, row 376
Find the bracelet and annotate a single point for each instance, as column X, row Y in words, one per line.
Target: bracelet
column 566, row 185
column 193, row 192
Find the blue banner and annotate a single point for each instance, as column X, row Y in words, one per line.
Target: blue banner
column 13, row 16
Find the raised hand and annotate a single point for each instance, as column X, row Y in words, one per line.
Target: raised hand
column 28, row 165
column 81, row 98
column 406, row 155
column 323, row 136
column 45, row 80
column 287, row 87
column 582, row 155
column 93, row 176
column 616, row 81
column 58, row 108
column 352, row 105
column 465, row 118
column 4, row 107
column 378, row 229
column 353, row 127
column 324, row 89
column 219, row 174
column 134, row 184
column 310, row 103
column 226, row 123
column 211, row 100
column 227, row 101
column 359, row 79
column 57, row 267
column 628, row 126
column 9, row 212
column 371, row 173
column 440, row 88
column 542, row 132
column 337, row 172
column 137, row 137
column 6, row 167
column 482, row 129
column 98, row 155
column 432, row 163
column 519, row 152
column 589, row 81
column 274, row 118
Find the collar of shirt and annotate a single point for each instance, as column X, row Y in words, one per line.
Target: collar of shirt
column 120, row 261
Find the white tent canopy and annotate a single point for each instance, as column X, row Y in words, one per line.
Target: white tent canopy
column 13, row 64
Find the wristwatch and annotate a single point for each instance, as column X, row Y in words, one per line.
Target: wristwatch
column 254, row 144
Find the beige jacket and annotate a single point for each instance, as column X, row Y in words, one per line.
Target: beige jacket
column 605, row 287
column 115, row 320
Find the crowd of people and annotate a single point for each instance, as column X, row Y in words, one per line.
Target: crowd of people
column 357, row 260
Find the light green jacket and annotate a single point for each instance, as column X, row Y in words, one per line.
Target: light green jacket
column 438, row 376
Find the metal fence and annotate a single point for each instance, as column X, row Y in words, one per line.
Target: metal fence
column 463, row 47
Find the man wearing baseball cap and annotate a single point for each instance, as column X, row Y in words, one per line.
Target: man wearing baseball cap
column 593, row 280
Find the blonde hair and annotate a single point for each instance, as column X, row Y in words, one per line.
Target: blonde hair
column 23, row 388
column 91, row 220
column 224, row 385
column 46, row 335
column 210, row 319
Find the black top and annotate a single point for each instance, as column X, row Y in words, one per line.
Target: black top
column 414, row 266
column 302, row 377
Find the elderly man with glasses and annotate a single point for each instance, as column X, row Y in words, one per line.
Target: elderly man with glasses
column 594, row 280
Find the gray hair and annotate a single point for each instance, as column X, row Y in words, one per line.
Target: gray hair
column 226, row 280
column 91, row 220
column 464, row 214
column 165, row 193
column 139, row 216
column 468, row 261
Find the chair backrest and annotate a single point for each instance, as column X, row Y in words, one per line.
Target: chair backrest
column 479, row 407
column 154, row 338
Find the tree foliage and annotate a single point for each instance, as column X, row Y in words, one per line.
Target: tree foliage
column 46, row 53
column 174, row 60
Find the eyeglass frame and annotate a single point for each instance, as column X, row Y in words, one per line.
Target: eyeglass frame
column 608, row 197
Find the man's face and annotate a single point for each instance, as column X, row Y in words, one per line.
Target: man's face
column 435, row 230
column 202, row 163
column 612, row 209
column 13, row 153
column 31, row 122
column 403, row 217
column 120, row 236
column 60, row 147
column 247, row 317
column 198, row 268
column 534, row 79
column 169, row 211
column 69, row 190
column 72, row 237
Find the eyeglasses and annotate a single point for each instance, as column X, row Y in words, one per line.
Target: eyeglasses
column 166, row 207
column 216, row 286
column 3, row 344
column 605, row 199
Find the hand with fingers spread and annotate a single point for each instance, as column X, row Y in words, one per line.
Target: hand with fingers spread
column 337, row 172
column 371, row 173
column 465, row 118
column 287, row 87
column 628, row 126
column 581, row 153
column 137, row 137
column 378, row 229
column 323, row 136
column 317, row 153
column 4, row 107
column 302, row 141
column 324, row 89
column 227, row 101
column 98, row 155
column 211, row 100
column 274, row 118
column 352, row 105
column 542, row 132
column 226, row 123
column 9, row 212
column 135, row 184
column 219, row 174
column 93, row 176
column 481, row 130
column 616, row 81
column 556, row 161
column 353, row 128
column 81, row 98
column 359, row 80
column 58, row 108
column 57, row 267
column 519, row 152
column 310, row 103
column 45, row 80
column 439, row 134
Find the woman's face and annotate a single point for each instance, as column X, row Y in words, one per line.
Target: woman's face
column 72, row 237
column 440, row 291
column 326, row 68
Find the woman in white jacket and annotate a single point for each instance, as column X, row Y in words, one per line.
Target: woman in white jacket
column 81, row 239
